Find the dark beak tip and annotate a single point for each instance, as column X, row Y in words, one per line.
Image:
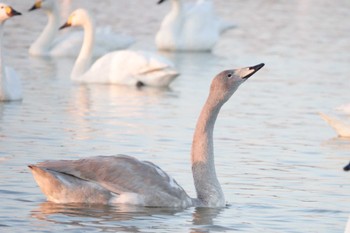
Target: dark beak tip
column 64, row 26
column 32, row 9
column 258, row 67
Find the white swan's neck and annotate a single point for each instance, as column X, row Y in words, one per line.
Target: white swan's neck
column 209, row 192
column 83, row 61
column 43, row 44
column 176, row 7
column 2, row 66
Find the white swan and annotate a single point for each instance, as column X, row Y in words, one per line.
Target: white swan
column 124, row 179
column 190, row 27
column 342, row 129
column 49, row 43
column 10, row 83
column 120, row 67
column 347, row 227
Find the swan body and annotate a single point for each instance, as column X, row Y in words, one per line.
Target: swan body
column 193, row 27
column 50, row 43
column 10, row 83
column 124, row 179
column 342, row 129
column 124, row 67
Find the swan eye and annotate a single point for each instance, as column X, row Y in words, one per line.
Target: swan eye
column 229, row 75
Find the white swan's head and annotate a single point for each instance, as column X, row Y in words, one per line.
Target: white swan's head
column 78, row 18
column 227, row 82
column 7, row 12
column 48, row 5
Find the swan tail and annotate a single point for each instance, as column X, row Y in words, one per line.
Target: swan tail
column 342, row 129
column 64, row 188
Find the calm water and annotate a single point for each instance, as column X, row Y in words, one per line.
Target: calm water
column 279, row 164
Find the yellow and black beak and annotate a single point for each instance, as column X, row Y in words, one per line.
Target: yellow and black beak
column 37, row 5
column 12, row 12
column 67, row 24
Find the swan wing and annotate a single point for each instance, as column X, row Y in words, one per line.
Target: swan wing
column 129, row 67
column 121, row 174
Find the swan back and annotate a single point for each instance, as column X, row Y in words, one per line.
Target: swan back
column 190, row 27
column 133, row 68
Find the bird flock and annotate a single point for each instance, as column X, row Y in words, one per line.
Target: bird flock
column 191, row 27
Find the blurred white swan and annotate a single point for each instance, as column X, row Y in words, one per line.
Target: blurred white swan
column 190, row 27
column 347, row 227
column 342, row 129
column 119, row 67
column 10, row 83
column 49, row 43
column 124, row 179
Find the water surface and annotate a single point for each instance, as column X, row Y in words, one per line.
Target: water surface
column 279, row 164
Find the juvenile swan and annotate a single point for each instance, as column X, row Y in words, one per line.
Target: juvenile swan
column 190, row 27
column 10, row 83
column 124, row 179
column 49, row 43
column 120, row 67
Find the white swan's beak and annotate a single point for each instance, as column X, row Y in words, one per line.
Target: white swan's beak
column 347, row 167
column 66, row 25
column 160, row 1
column 12, row 12
column 37, row 5
column 245, row 73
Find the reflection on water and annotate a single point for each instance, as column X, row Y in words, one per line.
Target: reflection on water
column 279, row 163
column 124, row 218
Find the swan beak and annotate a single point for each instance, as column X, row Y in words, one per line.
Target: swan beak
column 160, row 1
column 11, row 12
column 252, row 70
column 347, row 167
column 37, row 5
column 66, row 25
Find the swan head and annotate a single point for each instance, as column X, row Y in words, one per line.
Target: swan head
column 7, row 12
column 43, row 4
column 77, row 18
column 226, row 83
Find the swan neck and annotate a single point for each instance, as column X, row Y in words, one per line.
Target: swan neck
column 83, row 61
column 177, row 6
column 208, row 188
column 2, row 66
column 46, row 38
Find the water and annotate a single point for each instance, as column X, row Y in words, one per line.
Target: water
column 279, row 163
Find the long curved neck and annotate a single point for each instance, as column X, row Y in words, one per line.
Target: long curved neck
column 46, row 38
column 176, row 7
column 83, row 61
column 208, row 188
column 2, row 66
